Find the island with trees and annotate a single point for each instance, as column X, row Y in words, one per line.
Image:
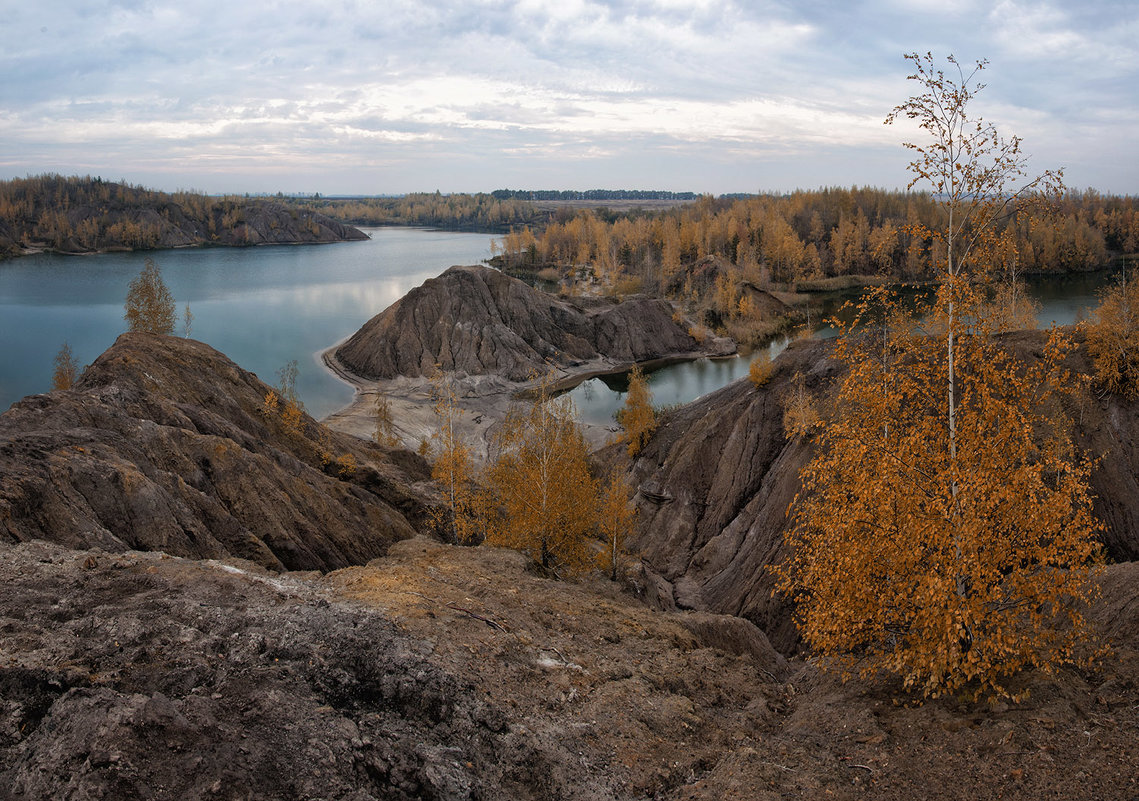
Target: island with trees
column 90, row 215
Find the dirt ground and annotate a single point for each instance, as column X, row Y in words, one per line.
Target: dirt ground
column 650, row 703
column 459, row 673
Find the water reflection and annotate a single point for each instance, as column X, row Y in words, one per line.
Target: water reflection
column 1063, row 301
column 261, row 306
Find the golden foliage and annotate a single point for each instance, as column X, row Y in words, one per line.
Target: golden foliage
column 66, row 371
column 950, row 563
column 637, row 417
column 453, row 468
column 384, row 433
column 283, row 400
column 292, row 417
column 1113, row 340
column 761, row 367
column 272, row 404
column 1011, row 308
column 149, row 305
column 346, row 465
column 540, row 485
column 614, row 522
column 800, row 414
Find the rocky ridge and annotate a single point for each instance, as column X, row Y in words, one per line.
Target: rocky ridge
column 164, row 444
column 479, row 321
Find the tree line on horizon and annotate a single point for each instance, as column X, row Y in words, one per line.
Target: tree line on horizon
column 819, row 234
column 797, row 236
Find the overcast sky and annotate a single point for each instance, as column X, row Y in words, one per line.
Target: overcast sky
column 387, row 96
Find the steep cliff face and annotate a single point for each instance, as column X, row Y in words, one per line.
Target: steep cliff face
column 715, row 482
column 480, row 321
column 163, row 445
column 717, row 479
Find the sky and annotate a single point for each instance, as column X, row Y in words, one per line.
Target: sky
column 388, row 97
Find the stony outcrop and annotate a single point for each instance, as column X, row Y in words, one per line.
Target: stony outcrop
column 717, row 478
column 714, row 484
column 163, row 444
column 455, row 674
column 480, row 321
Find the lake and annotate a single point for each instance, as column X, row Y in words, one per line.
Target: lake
column 1063, row 300
column 265, row 306
column 261, row 306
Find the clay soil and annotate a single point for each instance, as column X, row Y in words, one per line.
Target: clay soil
column 445, row 672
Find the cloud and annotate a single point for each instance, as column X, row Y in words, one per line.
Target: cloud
column 468, row 90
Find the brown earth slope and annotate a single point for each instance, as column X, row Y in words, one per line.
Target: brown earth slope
column 717, row 479
column 454, row 673
column 163, row 445
column 480, row 321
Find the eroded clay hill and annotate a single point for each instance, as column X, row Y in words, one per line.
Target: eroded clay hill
column 164, row 444
column 480, row 321
column 456, row 674
column 717, row 478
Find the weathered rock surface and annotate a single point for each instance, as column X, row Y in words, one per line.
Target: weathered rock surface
column 715, row 482
column 163, row 445
column 133, row 676
column 718, row 477
column 480, row 321
column 454, row 673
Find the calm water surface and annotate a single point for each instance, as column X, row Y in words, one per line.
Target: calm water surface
column 265, row 306
column 1062, row 301
column 262, row 306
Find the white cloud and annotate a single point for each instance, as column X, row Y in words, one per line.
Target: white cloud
column 466, row 90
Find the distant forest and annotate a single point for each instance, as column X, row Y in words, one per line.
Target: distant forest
column 812, row 235
column 478, row 212
column 85, row 215
column 784, row 239
column 592, row 194
column 718, row 256
column 497, row 211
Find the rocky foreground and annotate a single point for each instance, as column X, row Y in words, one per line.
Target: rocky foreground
column 199, row 600
column 453, row 673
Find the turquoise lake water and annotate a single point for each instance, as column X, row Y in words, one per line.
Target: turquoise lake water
column 265, row 306
column 262, row 306
column 1062, row 301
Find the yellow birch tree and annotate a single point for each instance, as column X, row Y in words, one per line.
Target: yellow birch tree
column 949, row 568
column 149, row 305
column 542, row 487
column 637, row 416
column 1113, row 340
column 453, row 468
column 66, row 369
column 944, row 528
column 384, row 433
column 615, row 522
